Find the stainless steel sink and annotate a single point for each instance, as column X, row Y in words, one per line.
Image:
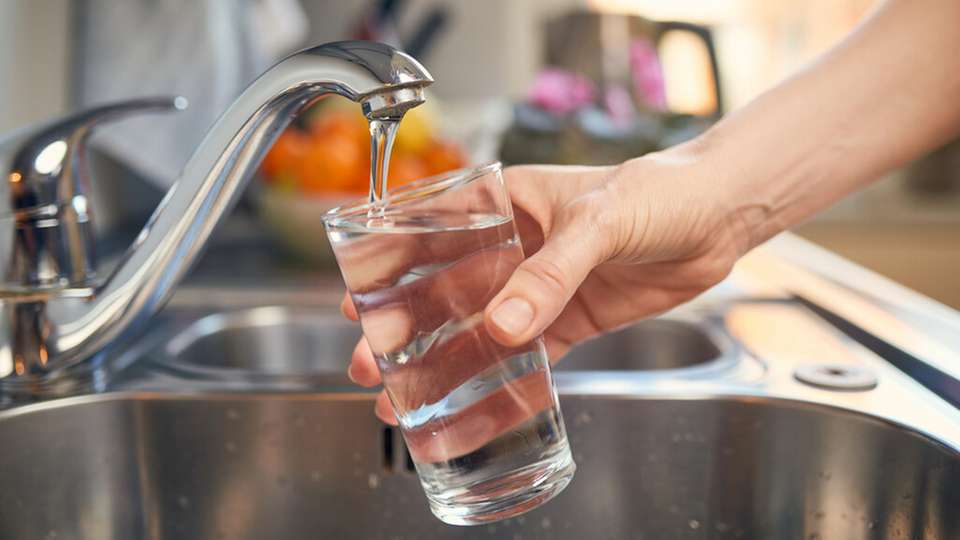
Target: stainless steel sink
column 240, row 423
column 652, row 345
column 292, row 466
column 263, row 343
column 291, row 342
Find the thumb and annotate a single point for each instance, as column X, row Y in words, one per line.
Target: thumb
column 541, row 285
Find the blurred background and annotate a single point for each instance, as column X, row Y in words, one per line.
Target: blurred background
column 524, row 81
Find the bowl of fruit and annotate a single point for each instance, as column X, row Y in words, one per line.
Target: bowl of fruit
column 323, row 161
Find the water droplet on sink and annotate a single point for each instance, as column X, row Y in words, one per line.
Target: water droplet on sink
column 694, row 524
column 373, row 481
column 356, row 456
column 230, row 447
column 521, row 520
column 51, row 535
column 545, row 523
column 492, row 530
column 582, row 418
column 315, row 476
column 872, row 525
column 183, row 502
column 677, row 437
column 722, row 527
column 232, row 414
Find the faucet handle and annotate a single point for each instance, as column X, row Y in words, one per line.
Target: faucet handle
column 46, row 227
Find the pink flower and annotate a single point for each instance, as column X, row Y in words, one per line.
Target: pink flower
column 561, row 91
column 620, row 106
column 647, row 73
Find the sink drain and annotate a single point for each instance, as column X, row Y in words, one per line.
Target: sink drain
column 836, row 377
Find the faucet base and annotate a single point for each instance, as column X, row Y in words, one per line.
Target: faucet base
column 84, row 378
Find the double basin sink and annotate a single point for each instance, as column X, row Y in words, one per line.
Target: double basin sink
column 240, row 424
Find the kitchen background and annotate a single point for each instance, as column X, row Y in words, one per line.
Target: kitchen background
column 524, row 80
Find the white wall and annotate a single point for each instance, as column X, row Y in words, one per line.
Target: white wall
column 489, row 48
column 33, row 60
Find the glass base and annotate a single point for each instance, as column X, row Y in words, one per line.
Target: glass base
column 508, row 495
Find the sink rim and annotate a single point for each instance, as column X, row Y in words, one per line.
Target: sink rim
column 180, row 337
column 205, row 323
column 745, row 396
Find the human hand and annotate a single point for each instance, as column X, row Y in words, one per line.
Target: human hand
column 606, row 246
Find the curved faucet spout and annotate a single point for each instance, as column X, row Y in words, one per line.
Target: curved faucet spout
column 384, row 81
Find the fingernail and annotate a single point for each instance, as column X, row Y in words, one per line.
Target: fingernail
column 513, row 316
column 350, row 373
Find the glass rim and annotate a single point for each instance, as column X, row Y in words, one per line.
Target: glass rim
column 416, row 191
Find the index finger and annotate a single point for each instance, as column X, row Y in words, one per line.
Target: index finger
column 348, row 309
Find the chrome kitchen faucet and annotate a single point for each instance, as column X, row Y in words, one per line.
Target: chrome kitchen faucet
column 56, row 313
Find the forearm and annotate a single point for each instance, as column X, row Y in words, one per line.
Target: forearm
column 887, row 94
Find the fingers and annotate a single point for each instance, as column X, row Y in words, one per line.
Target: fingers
column 348, row 309
column 542, row 285
column 363, row 368
column 384, row 409
column 363, row 371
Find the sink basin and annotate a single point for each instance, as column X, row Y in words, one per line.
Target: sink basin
column 254, row 466
column 655, row 344
column 263, row 343
column 296, row 342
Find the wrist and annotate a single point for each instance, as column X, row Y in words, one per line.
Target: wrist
column 673, row 204
column 735, row 191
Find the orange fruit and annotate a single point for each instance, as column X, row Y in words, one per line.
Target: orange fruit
column 341, row 122
column 334, row 163
column 443, row 156
column 285, row 155
column 405, row 168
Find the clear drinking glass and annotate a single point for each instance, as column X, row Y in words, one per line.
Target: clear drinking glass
column 481, row 420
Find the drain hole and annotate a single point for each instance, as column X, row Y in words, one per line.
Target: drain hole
column 387, row 436
column 836, row 377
